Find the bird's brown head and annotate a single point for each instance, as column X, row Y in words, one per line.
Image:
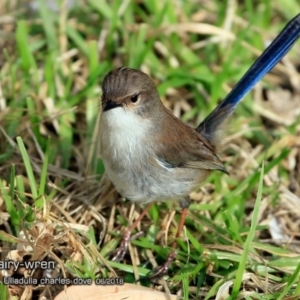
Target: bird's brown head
column 130, row 89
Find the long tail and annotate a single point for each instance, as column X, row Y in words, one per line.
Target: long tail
column 268, row 59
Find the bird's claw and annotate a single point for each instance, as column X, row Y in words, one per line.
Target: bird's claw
column 160, row 271
column 119, row 253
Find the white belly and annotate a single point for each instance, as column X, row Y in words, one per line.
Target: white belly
column 132, row 165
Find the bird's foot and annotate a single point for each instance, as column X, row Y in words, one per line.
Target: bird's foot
column 160, row 271
column 119, row 253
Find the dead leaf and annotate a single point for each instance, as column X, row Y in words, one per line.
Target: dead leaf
column 113, row 292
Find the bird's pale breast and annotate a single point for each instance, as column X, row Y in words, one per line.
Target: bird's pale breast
column 132, row 165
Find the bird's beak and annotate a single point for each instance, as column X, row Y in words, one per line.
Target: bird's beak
column 110, row 105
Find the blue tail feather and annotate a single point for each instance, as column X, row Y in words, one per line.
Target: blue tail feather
column 267, row 60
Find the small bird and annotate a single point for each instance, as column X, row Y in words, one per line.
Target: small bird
column 149, row 154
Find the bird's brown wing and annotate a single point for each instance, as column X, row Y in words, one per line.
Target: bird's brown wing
column 179, row 145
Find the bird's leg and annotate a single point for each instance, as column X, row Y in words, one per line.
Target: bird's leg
column 120, row 252
column 163, row 269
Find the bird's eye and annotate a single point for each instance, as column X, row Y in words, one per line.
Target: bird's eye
column 134, row 98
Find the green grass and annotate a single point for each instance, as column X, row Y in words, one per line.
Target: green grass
column 51, row 69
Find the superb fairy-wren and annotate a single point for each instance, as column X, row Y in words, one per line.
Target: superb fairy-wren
column 148, row 153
